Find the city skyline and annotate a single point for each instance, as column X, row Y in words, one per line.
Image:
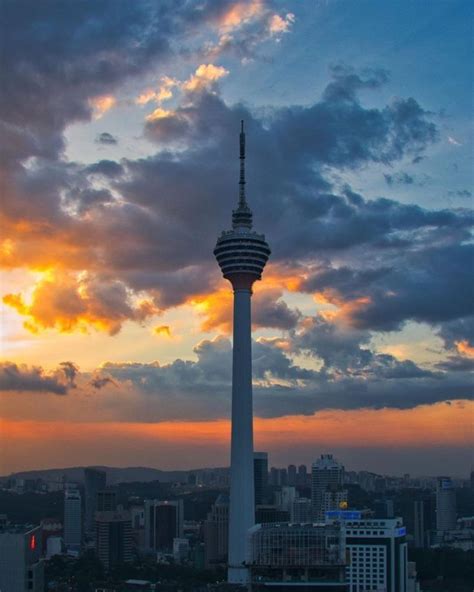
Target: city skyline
column 119, row 170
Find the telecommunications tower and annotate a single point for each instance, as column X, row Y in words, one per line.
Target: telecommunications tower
column 241, row 254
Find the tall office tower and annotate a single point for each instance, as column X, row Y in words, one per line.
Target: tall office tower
column 291, row 475
column 419, row 524
column 301, row 510
column 333, row 498
column 327, row 475
column 94, row 481
column 471, row 481
column 302, row 475
column 297, row 557
column 274, row 477
column 216, row 533
column 21, row 567
column 445, row 504
column 163, row 523
column 113, row 543
column 285, row 497
column 260, row 475
column 377, row 551
column 242, row 255
column 106, row 501
column 72, row 519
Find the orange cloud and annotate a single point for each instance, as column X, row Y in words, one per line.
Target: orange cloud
column 162, row 330
column 240, row 13
column 102, row 104
column 278, row 25
column 76, row 302
column 464, row 348
column 205, row 75
column 162, row 94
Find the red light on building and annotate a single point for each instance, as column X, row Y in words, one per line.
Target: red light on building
column 32, row 542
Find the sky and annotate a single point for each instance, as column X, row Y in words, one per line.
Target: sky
column 119, row 168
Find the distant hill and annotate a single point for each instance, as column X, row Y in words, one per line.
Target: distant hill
column 114, row 474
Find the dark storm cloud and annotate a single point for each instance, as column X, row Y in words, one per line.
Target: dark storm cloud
column 106, row 139
column 340, row 349
column 14, row 377
column 399, row 179
column 200, row 389
column 431, row 285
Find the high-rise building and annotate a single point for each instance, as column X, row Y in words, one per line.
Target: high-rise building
column 163, row 523
column 301, row 510
column 113, row 538
column 21, row 567
column 106, row 501
column 302, row 476
column 377, row 550
column 327, row 493
column 260, row 475
column 72, row 519
column 216, row 533
column 242, row 255
column 285, row 497
column 94, row 481
column 445, row 504
column 287, row 557
column 291, row 475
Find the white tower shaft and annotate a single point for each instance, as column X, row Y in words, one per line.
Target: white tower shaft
column 242, row 509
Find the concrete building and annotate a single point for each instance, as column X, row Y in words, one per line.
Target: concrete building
column 377, row 550
column 163, row 523
column 106, row 501
column 303, row 557
column 291, row 475
column 113, row 542
column 216, row 533
column 21, row 567
column 94, row 481
column 301, row 510
column 327, row 492
column 302, row 477
column 72, row 519
column 241, row 254
column 285, row 497
column 260, row 476
column 445, row 505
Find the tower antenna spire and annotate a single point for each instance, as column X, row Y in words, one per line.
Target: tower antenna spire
column 242, row 200
column 242, row 216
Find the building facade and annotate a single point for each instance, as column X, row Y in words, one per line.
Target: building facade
column 216, row 533
column 327, row 492
column 376, row 550
column 260, row 476
column 72, row 519
column 445, row 505
column 113, row 531
column 21, row 567
column 163, row 523
column 297, row 557
column 94, row 481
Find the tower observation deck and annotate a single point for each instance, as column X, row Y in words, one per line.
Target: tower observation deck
column 241, row 254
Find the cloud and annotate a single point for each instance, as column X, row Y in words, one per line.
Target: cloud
column 14, row 377
column 100, row 105
column 278, row 25
column 106, row 139
column 69, row 303
column 162, row 330
column 399, row 179
column 206, row 75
